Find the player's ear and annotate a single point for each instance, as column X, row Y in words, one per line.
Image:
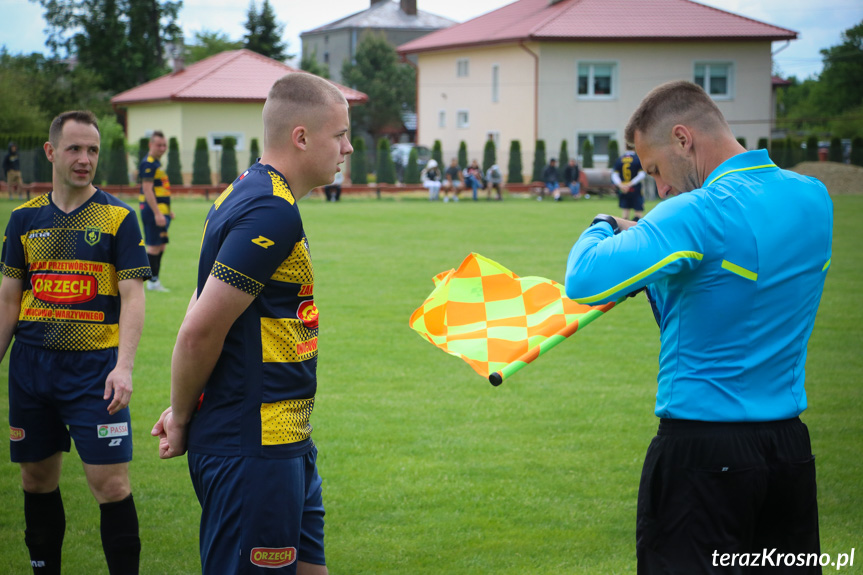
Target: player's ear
column 49, row 151
column 298, row 137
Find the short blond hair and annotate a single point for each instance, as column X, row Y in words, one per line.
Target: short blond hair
column 676, row 102
column 294, row 99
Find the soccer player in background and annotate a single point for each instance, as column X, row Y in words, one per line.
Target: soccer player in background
column 73, row 297
column 155, row 205
column 627, row 174
column 735, row 294
column 249, row 344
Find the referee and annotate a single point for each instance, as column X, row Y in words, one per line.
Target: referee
column 735, row 293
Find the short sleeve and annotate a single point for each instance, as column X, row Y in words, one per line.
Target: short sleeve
column 257, row 243
column 14, row 264
column 131, row 256
column 147, row 170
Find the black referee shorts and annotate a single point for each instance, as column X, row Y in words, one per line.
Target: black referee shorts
column 730, row 498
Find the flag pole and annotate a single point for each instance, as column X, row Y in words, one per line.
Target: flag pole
column 529, row 356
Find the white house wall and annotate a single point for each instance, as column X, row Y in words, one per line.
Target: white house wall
column 561, row 113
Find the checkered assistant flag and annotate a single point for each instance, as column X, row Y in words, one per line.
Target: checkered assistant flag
column 496, row 321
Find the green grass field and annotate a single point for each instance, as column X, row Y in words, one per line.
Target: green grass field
column 428, row 468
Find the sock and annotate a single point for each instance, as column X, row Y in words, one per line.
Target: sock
column 155, row 264
column 120, row 539
column 45, row 522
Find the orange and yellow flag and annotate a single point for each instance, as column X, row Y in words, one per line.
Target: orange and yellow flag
column 496, row 321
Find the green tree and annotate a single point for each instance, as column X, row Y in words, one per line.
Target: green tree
column 143, row 150
column 121, row 41
column 514, row 173
column 462, row 154
column 762, row 143
column 437, row 153
column 174, row 169
column 118, row 170
column 562, row 159
column 839, row 81
column 835, row 152
column 857, row 151
column 201, row 164
column 538, row 161
column 359, row 169
column 587, row 154
column 309, row 63
column 613, row 152
column 412, row 171
column 254, row 151
column 777, row 152
column 386, row 172
column 489, row 155
column 742, row 141
column 391, row 86
column 264, row 34
column 812, row 148
column 209, row 43
column 228, row 171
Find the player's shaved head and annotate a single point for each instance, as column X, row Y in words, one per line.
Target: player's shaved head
column 672, row 103
column 294, row 100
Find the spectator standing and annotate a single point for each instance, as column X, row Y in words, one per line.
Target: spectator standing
column 453, row 181
column 12, row 168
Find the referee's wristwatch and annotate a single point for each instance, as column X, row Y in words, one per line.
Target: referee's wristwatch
column 607, row 219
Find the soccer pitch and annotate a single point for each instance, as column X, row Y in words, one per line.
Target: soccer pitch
column 428, row 468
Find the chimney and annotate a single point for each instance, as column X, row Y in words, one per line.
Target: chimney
column 409, row 7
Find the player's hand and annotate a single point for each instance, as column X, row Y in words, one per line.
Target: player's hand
column 172, row 436
column 118, row 384
column 624, row 224
column 161, row 221
column 624, row 188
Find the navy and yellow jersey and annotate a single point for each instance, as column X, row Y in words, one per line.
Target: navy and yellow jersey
column 260, row 395
column 627, row 167
column 71, row 265
column 151, row 169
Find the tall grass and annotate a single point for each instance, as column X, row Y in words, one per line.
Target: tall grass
column 427, row 468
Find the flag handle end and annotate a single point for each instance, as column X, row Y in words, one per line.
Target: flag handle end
column 495, row 378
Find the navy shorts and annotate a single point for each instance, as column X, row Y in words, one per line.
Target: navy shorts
column 632, row 200
column 55, row 395
column 258, row 515
column 153, row 235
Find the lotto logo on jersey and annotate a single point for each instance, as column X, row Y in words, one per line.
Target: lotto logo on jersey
column 64, row 288
column 16, row 433
column 271, row 557
column 308, row 313
column 113, row 429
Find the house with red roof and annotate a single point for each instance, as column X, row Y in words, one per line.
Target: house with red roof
column 220, row 96
column 575, row 70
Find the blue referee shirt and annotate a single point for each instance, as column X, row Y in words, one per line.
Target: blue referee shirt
column 735, row 270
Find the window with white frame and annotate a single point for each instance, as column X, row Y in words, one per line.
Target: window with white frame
column 462, row 119
column 441, row 119
column 495, row 83
column 214, row 139
column 715, row 77
column 461, row 67
column 597, row 80
column 599, row 141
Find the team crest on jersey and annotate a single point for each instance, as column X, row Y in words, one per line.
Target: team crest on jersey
column 272, row 557
column 16, row 433
column 308, row 313
column 92, row 235
column 112, row 429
